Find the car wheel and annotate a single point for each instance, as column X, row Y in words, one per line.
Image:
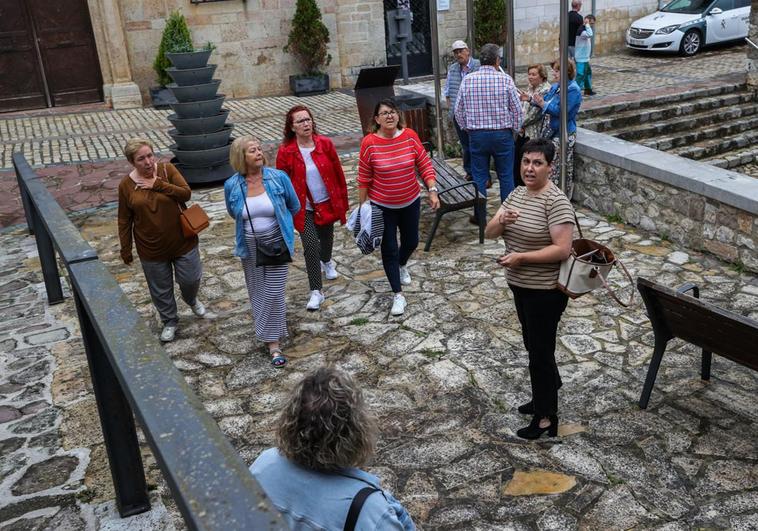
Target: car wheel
column 691, row 43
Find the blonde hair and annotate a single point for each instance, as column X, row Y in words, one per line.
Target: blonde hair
column 133, row 145
column 541, row 70
column 237, row 152
column 570, row 70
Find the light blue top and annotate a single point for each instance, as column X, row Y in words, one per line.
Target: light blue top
column 310, row 500
column 553, row 106
column 279, row 189
column 583, row 49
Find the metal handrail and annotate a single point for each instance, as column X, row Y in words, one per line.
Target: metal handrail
column 133, row 376
column 751, row 43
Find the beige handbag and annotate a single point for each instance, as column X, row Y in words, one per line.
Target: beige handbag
column 588, row 267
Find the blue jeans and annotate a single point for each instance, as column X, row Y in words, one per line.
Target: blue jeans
column 406, row 219
column 584, row 76
column 498, row 144
column 463, row 137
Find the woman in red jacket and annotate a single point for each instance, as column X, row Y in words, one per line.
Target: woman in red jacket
column 316, row 173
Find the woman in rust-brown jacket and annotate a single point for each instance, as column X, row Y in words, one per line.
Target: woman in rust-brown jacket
column 148, row 215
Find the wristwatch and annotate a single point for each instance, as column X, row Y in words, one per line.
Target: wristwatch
column 433, row 189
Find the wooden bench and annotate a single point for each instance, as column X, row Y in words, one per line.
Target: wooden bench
column 717, row 331
column 455, row 193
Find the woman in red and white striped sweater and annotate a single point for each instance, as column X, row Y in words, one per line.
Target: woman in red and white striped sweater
column 389, row 159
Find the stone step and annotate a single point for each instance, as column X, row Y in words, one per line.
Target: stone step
column 734, row 159
column 685, row 124
column 663, row 100
column 715, row 147
column 727, row 127
column 634, row 117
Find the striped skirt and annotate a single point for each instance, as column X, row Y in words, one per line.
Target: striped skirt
column 266, row 287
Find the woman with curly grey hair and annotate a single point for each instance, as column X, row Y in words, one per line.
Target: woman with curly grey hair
column 324, row 432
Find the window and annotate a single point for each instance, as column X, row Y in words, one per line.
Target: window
column 688, row 7
column 724, row 5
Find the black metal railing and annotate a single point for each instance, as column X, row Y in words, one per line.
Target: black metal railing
column 133, row 376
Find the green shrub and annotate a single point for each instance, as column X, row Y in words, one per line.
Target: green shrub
column 176, row 38
column 308, row 37
column 489, row 22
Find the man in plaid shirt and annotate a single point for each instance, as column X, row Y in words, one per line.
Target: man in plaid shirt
column 488, row 108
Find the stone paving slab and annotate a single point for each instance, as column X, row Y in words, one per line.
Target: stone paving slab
column 444, row 381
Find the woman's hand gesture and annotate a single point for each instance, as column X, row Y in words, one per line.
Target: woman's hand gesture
column 538, row 100
column 434, row 200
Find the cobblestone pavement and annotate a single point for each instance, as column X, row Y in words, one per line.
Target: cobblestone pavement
column 444, row 380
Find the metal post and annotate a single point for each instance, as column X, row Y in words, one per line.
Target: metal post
column 47, row 260
column 470, row 25
column 564, row 88
column 592, row 40
column 510, row 40
column 436, row 72
column 25, row 201
column 117, row 423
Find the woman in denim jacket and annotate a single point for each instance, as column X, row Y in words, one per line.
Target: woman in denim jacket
column 551, row 109
column 262, row 202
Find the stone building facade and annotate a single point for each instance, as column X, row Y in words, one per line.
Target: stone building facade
column 250, row 36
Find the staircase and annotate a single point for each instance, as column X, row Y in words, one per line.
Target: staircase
column 718, row 126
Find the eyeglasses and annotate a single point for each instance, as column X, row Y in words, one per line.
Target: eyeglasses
column 385, row 114
column 304, row 121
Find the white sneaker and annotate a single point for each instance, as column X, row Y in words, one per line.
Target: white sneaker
column 398, row 305
column 405, row 276
column 314, row 303
column 329, row 270
column 168, row 333
column 198, row 308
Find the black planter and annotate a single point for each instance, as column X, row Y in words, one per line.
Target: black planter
column 198, row 109
column 189, row 59
column 206, row 91
column 309, row 85
column 198, row 126
column 201, row 134
column 203, row 140
column 161, row 97
column 192, row 76
column 202, row 158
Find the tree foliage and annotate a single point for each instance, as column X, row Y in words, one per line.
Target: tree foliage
column 176, row 38
column 308, row 37
column 489, row 22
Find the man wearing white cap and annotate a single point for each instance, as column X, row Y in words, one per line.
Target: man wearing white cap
column 464, row 64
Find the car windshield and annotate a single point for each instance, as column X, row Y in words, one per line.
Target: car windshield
column 688, row 7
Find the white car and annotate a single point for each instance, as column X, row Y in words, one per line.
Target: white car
column 685, row 26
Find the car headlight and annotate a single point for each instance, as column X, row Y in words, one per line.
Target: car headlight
column 667, row 30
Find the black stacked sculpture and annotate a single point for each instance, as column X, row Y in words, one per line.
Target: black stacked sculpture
column 201, row 134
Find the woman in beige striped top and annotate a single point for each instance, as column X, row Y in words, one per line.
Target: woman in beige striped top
column 536, row 221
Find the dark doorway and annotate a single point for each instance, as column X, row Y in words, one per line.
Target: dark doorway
column 47, row 55
column 420, row 47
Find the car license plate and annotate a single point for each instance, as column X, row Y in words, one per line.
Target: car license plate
column 637, row 42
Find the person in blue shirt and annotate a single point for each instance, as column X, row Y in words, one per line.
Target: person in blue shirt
column 582, row 54
column 551, row 125
column 324, row 432
column 262, row 201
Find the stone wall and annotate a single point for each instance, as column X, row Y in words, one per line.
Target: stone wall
column 752, row 53
column 250, row 37
column 695, row 204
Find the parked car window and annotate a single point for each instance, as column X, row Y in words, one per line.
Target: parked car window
column 743, row 3
column 689, row 7
column 724, row 5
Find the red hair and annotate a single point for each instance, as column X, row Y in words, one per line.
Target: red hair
column 289, row 133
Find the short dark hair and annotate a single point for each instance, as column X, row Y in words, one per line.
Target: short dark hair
column 540, row 145
column 591, row 17
column 387, row 102
column 489, row 54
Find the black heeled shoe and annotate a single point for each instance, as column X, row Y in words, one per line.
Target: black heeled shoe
column 533, row 431
column 526, row 409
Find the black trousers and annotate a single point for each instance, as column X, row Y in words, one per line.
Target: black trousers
column 539, row 312
column 406, row 220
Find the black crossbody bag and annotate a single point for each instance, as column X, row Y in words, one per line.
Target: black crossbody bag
column 267, row 254
column 356, row 506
